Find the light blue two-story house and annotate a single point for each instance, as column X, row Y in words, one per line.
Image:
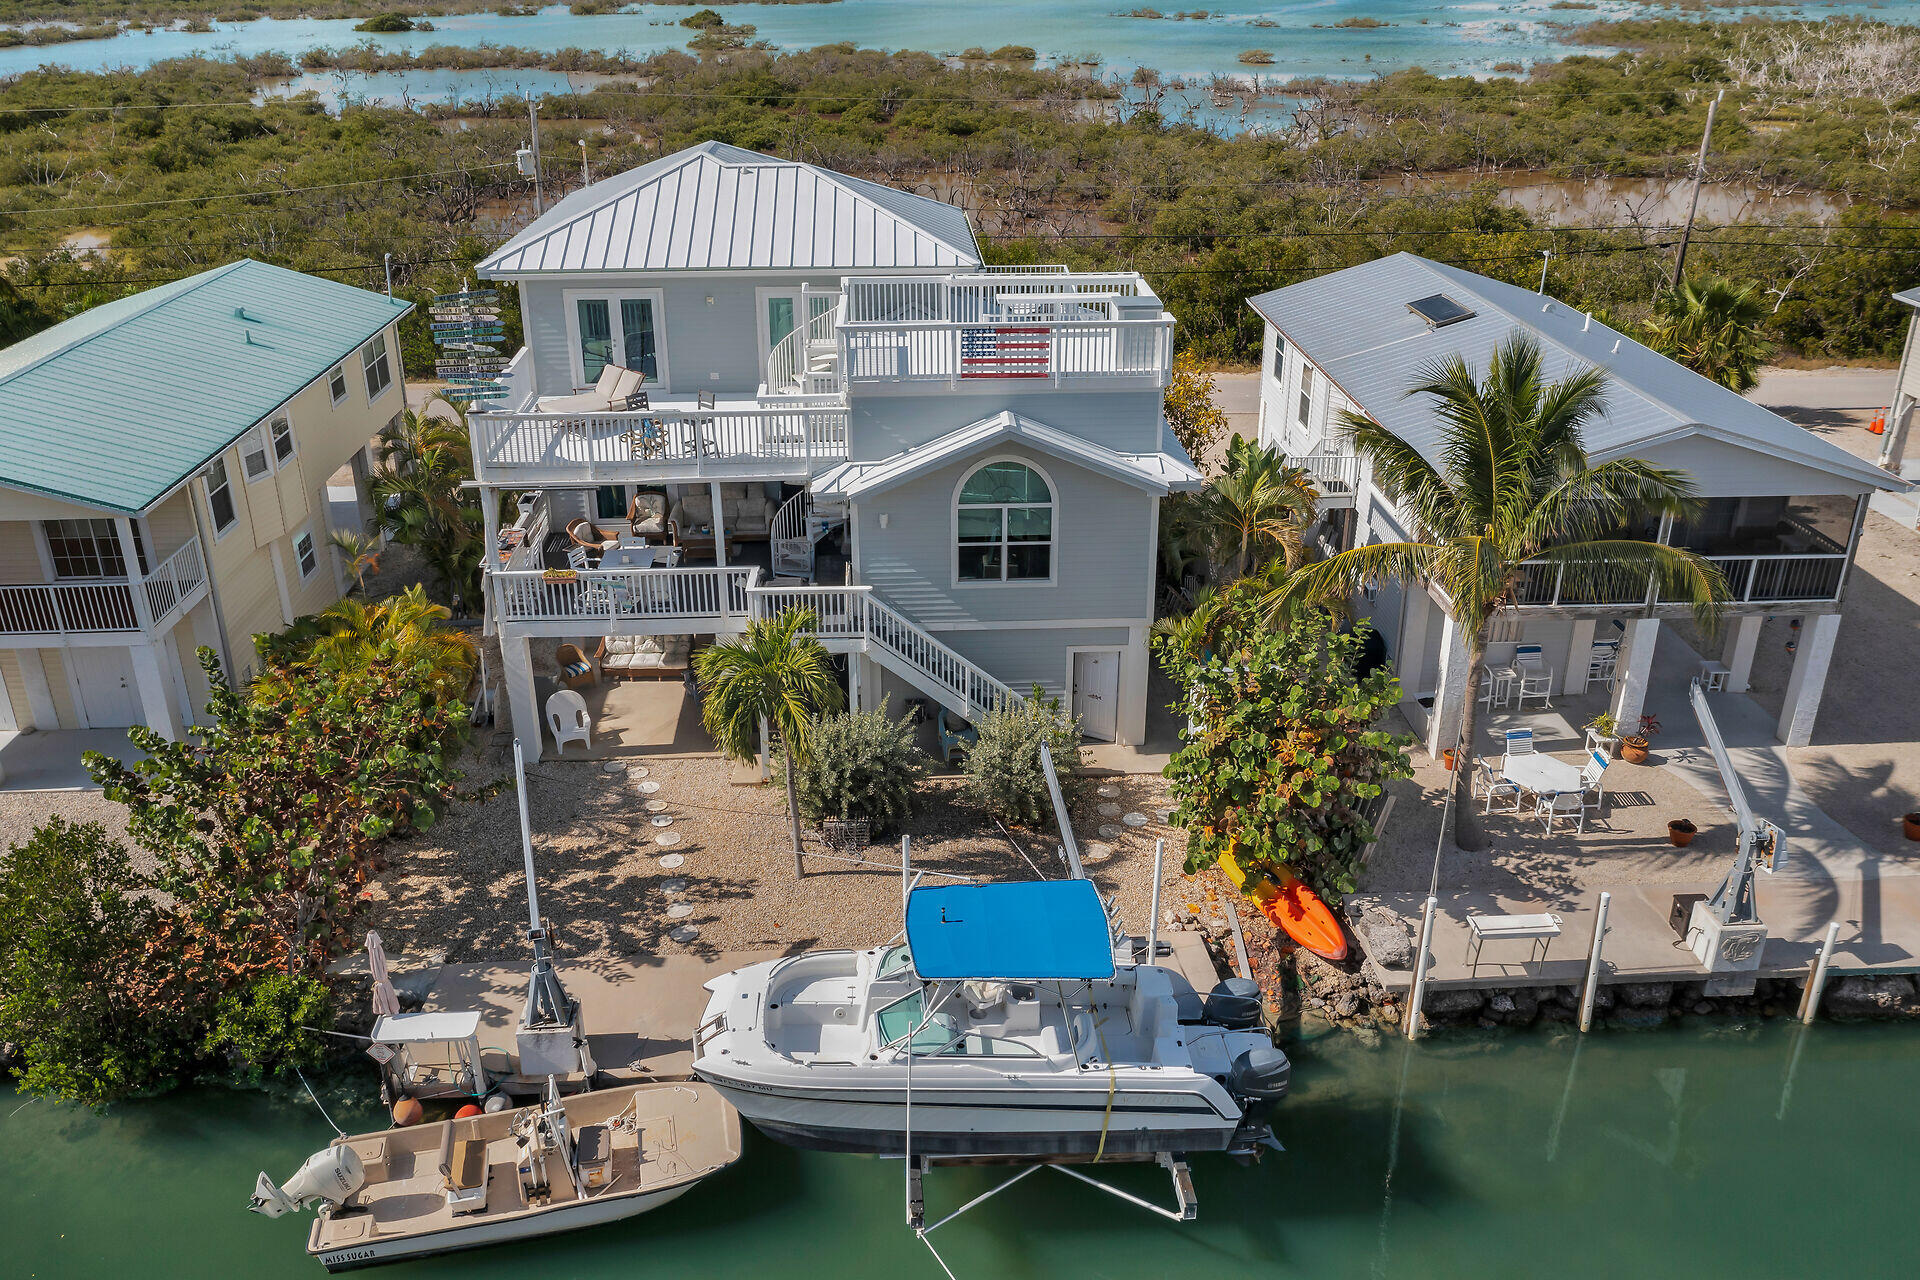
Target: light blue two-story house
column 806, row 390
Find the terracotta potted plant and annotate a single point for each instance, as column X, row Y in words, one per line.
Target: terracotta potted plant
column 1603, row 735
column 1446, row 758
column 1681, row 831
column 1911, row 825
column 1633, row 748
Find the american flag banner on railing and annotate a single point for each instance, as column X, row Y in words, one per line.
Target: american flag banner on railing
column 1005, row 352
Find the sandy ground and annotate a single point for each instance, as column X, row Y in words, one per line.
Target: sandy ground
column 459, row 889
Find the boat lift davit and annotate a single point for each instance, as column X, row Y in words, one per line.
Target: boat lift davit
column 1725, row 931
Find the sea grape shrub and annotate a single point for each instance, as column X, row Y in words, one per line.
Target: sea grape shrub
column 90, row 1014
column 266, row 1025
column 1004, row 774
column 1196, row 421
column 266, row 829
column 864, row 764
column 1282, row 752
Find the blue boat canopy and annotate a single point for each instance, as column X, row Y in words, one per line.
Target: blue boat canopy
column 1024, row 930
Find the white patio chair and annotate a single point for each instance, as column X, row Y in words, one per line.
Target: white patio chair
column 1602, row 663
column 1519, row 742
column 1564, row 806
column 568, row 720
column 1495, row 790
column 1534, row 675
column 1590, row 778
column 577, row 558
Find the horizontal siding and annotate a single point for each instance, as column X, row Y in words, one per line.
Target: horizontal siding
column 1022, row 658
column 880, row 426
column 53, row 661
column 1721, row 470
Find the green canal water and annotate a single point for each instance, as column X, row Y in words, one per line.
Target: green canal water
column 1715, row 1150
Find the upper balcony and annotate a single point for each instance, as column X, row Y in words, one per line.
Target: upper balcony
column 673, row 438
column 1027, row 327
column 34, row 614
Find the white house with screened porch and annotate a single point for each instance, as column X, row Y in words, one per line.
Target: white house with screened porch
column 1782, row 507
column 753, row 385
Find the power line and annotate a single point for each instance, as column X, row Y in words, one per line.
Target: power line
column 256, row 195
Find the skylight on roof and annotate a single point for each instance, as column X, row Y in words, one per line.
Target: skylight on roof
column 1439, row 311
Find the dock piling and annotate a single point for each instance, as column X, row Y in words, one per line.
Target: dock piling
column 1592, row 986
column 1810, row 998
column 1422, row 961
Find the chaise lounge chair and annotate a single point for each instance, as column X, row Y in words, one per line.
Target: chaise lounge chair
column 611, row 394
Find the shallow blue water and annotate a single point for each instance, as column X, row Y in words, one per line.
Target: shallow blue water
column 1720, row 1149
column 1469, row 38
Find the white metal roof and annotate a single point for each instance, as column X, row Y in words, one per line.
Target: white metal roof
column 1158, row 473
column 423, row 1028
column 1356, row 327
column 713, row 207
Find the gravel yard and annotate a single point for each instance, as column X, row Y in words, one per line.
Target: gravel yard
column 457, row 888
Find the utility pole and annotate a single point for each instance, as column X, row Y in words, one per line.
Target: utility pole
column 586, row 179
column 1693, row 203
column 533, row 122
column 1546, row 258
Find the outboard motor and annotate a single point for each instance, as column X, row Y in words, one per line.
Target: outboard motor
column 1234, row 1003
column 328, row 1177
column 1260, row 1075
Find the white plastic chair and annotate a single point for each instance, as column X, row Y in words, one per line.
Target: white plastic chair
column 1495, row 789
column 1590, row 782
column 1519, row 742
column 568, row 720
column 1535, row 676
column 1602, row 662
column 577, row 558
column 1563, row 806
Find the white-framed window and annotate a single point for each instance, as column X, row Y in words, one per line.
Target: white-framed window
column 305, row 554
column 88, row 549
column 219, row 490
column 253, row 455
column 378, row 368
column 1279, row 357
column 1004, row 528
column 281, row 429
column 337, row 383
column 623, row 328
column 1304, row 414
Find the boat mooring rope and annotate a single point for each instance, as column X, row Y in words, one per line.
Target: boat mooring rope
column 316, row 1103
column 1106, row 1119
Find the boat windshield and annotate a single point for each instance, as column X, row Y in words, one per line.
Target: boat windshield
column 900, row 1017
column 896, row 961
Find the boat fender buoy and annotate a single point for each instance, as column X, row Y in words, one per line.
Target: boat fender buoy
column 408, row 1112
column 468, row 1112
column 496, row 1103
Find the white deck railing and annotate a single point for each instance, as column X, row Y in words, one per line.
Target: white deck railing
column 1336, row 475
column 607, row 596
column 1759, row 579
column 643, row 444
column 1040, row 352
column 83, row 608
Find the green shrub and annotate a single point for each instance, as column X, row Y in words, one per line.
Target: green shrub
column 1003, row 767
column 263, row 1028
column 390, row 22
column 79, row 993
column 863, row 765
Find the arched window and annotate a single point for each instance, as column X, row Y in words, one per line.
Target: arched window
column 1003, row 523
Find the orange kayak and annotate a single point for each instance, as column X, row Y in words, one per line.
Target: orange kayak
column 1292, row 908
column 1300, row 913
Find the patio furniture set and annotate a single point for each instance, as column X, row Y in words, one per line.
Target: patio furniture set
column 1528, row 674
column 1559, row 790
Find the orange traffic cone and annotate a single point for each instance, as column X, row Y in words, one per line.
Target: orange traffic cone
column 1879, row 424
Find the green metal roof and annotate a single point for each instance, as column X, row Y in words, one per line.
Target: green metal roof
column 115, row 407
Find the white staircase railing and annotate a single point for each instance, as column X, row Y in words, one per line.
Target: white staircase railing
column 791, row 540
column 791, row 365
column 856, row 613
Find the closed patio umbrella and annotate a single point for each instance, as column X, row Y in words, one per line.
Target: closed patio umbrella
column 385, row 999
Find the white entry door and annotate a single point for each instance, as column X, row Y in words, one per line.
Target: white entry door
column 1096, row 693
column 107, row 689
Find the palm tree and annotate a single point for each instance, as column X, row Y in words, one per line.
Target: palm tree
column 1508, row 484
column 776, row 675
column 1257, row 507
column 1713, row 326
column 405, row 630
column 362, row 554
column 419, row 500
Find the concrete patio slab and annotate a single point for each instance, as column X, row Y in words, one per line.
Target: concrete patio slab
column 50, row 760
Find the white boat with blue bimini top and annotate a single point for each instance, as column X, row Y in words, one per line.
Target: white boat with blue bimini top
column 1002, row 1028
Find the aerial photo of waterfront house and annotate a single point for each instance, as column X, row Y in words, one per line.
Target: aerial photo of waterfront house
column 1277, row 642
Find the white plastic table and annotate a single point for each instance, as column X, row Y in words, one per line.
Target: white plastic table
column 1540, row 929
column 1541, row 774
column 638, row 557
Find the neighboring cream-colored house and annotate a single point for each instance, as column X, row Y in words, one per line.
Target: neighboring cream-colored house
column 163, row 473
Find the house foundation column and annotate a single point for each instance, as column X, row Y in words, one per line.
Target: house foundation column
column 1130, row 723
column 1809, row 679
column 516, row 672
column 155, row 705
column 1579, row 657
column 1634, row 672
column 1449, row 692
column 1743, row 639
column 1410, row 645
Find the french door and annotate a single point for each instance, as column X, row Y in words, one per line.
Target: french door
column 620, row 328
